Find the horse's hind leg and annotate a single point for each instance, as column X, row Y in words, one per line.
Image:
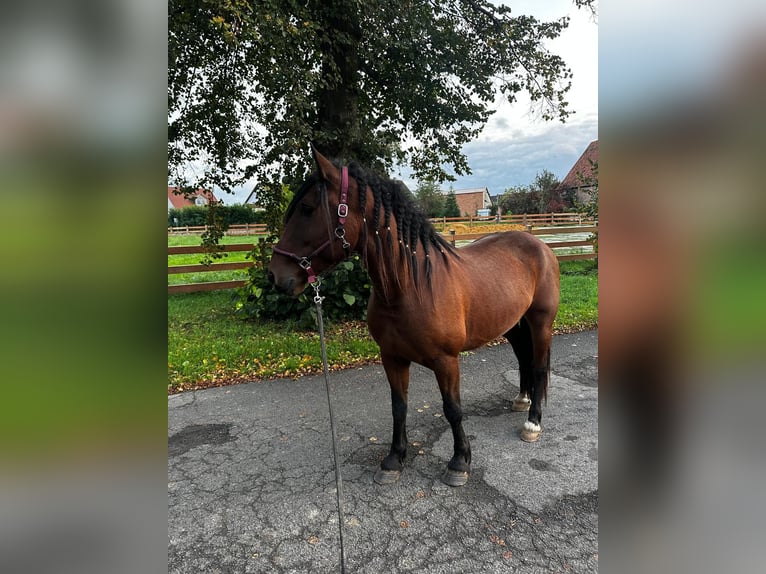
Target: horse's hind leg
column 398, row 373
column 541, row 329
column 520, row 339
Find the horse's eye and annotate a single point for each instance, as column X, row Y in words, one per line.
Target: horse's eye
column 306, row 209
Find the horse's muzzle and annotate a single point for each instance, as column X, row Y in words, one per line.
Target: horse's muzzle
column 288, row 285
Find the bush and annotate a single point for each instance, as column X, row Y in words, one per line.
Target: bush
column 346, row 290
column 196, row 215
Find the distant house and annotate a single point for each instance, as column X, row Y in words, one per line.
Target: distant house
column 575, row 184
column 470, row 201
column 177, row 200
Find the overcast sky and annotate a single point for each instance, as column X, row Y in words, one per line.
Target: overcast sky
column 515, row 145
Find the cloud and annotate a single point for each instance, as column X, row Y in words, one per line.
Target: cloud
column 515, row 159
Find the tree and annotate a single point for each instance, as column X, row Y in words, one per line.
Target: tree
column 381, row 81
column 451, row 208
column 548, row 200
column 430, row 199
column 519, row 199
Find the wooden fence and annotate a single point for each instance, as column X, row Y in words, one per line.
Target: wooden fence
column 237, row 229
column 210, row 285
column 453, row 237
column 527, row 219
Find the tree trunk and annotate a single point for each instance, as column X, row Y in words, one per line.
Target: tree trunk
column 338, row 130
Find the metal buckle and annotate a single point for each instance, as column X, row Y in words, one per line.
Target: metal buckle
column 317, row 297
column 342, row 210
column 340, row 233
column 305, row 263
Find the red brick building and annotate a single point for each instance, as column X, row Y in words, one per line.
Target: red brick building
column 576, row 181
column 471, row 200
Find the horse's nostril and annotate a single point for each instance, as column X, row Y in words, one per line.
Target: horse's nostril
column 270, row 277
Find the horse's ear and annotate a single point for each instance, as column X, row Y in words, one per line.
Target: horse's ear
column 328, row 171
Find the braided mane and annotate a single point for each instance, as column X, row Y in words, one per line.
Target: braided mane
column 392, row 199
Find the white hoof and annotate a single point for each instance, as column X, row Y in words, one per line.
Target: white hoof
column 530, row 432
column 521, row 403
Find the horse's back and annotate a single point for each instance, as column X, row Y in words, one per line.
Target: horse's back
column 518, row 249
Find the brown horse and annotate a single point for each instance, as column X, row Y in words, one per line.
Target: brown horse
column 430, row 301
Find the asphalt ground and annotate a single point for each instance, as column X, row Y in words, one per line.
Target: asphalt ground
column 251, row 484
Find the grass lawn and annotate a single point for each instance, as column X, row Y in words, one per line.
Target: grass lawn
column 208, row 346
column 195, row 259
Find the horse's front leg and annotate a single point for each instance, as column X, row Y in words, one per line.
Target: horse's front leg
column 447, row 370
column 398, row 373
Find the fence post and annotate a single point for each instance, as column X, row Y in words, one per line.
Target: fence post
column 452, row 237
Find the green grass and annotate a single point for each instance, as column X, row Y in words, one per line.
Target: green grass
column 578, row 308
column 209, row 346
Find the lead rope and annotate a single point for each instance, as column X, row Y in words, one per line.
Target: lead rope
column 338, row 481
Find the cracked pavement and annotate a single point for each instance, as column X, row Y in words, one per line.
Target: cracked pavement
column 251, row 484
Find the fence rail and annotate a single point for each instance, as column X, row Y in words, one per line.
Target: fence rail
column 236, row 229
column 527, row 219
column 453, row 237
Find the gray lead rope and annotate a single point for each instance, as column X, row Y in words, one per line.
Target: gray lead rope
column 338, row 481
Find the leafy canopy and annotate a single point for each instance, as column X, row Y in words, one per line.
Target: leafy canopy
column 380, row 81
column 430, row 198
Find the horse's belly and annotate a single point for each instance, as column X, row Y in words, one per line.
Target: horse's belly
column 416, row 336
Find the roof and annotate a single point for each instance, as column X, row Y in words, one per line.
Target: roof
column 178, row 200
column 252, row 198
column 581, row 169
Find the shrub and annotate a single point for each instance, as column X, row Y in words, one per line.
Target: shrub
column 196, row 215
column 346, row 290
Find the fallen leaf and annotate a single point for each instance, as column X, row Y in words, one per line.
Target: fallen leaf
column 313, row 540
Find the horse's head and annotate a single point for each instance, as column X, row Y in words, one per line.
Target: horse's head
column 315, row 236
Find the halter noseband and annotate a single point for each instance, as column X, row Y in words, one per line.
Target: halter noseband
column 340, row 232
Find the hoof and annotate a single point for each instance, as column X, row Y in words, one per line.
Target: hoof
column 530, row 432
column 520, row 404
column 455, row 477
column 383, row 476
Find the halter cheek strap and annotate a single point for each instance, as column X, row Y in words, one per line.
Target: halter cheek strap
column 303, row 262
column 340, row 232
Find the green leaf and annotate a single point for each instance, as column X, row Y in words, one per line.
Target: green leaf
column 350, row 299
